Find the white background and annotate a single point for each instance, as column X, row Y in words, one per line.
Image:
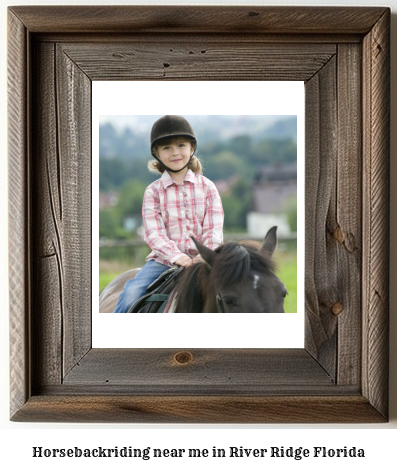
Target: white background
column 213, row 98
column 17, row 439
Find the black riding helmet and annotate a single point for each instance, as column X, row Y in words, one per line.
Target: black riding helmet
column 171, row 126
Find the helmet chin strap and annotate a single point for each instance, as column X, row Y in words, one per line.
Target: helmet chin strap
column 169, row 169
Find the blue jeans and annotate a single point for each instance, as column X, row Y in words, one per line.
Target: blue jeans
column 136, row 288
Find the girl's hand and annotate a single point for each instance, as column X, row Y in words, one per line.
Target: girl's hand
column 197, row 259
column 184, row 261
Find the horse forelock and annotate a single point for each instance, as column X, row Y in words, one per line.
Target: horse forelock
column 236, row 261
column 260, row 260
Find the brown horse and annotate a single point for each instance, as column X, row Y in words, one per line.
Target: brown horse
column 236, row 277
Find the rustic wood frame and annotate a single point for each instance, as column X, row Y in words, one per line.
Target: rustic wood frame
column 343, row 56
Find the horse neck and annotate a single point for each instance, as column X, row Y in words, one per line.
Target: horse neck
column 189, row 291
column 209, row 305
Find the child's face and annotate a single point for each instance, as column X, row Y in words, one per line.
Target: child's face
column 175, row 153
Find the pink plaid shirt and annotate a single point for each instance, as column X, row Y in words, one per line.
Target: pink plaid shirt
column 172, row 213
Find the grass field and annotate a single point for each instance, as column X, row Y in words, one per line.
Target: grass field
column 105, row 278
column 287, row 272
column 109, row 270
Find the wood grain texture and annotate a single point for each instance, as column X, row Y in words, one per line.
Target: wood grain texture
column 346, row 230
column 74, row 134
column 18, row 213
column 192, row 58
column 227, row 369
column 376, row 90
column 47, row 316
column 199, row 19
column 321, row 277
column 62, row 289
column 199, row 409
column 341, row 375
column 333, row 215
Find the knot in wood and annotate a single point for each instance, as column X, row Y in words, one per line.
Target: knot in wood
column 183, row 358
column 337, row 308
column 338, row 235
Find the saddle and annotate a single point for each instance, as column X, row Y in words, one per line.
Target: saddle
column 159, row 292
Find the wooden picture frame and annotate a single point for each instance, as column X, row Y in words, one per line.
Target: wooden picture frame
column 342, row 54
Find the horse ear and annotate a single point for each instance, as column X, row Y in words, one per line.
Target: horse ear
column 207, row 254
column 270, row 242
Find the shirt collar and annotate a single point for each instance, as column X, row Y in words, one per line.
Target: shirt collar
column 190, row 176
column 167, row 180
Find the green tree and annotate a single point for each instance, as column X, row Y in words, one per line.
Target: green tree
column 131, row 199
column 112, row 174
column 241, row 144
column 224, row 165
column 236, row 205
column 274, row 150
column 111, row 224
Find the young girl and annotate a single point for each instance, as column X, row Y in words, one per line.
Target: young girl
column 180, row 204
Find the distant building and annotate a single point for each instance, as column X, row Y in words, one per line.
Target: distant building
column 274, row 185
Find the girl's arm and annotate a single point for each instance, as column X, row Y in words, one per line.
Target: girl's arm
column 212, row 235
column 155, row 232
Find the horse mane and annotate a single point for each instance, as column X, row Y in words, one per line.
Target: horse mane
column 190, row 282
column 234, row 263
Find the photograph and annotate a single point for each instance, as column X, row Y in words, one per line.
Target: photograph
column 237, row 181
